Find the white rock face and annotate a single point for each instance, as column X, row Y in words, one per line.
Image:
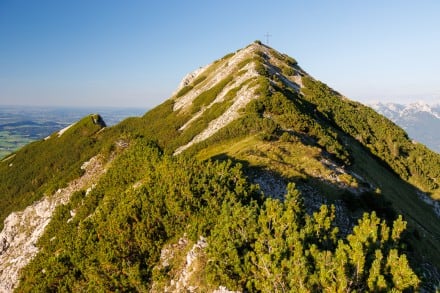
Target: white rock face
column 214, row 78
column 23, row 229
column 189, row 78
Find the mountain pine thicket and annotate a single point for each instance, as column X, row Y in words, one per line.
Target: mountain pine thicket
column 255, row 243
column 302, row 190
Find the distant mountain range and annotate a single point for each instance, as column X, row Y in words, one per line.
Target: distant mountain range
column 420, row 120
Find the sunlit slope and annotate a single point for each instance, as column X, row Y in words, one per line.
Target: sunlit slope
column 44, row 166
column 185, row 171
column 259, row 90
column 260, row 108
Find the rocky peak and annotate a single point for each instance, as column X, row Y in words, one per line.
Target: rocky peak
column 233, row 79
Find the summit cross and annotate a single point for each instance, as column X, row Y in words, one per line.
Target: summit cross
column 267, row 35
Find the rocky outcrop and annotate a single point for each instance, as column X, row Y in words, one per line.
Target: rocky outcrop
column 190, row 265
column 182, row 284
column 213, row 79
column 190, row 77
column 23, row 229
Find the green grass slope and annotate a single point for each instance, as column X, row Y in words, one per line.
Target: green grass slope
column 44, row 166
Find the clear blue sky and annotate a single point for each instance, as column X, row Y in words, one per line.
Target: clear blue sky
column 134, row 53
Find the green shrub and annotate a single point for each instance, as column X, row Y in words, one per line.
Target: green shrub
column 184, row 90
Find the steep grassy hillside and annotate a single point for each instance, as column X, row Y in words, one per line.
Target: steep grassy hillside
column 412, row 162
column 44, row 166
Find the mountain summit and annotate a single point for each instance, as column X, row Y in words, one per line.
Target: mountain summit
column 253, row 176
column 235, row 80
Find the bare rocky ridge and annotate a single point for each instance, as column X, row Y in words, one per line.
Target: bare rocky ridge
column 23, row 229
column 214, row 78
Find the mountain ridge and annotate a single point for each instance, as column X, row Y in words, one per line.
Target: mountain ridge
column 245, row 94
column 278, row 146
